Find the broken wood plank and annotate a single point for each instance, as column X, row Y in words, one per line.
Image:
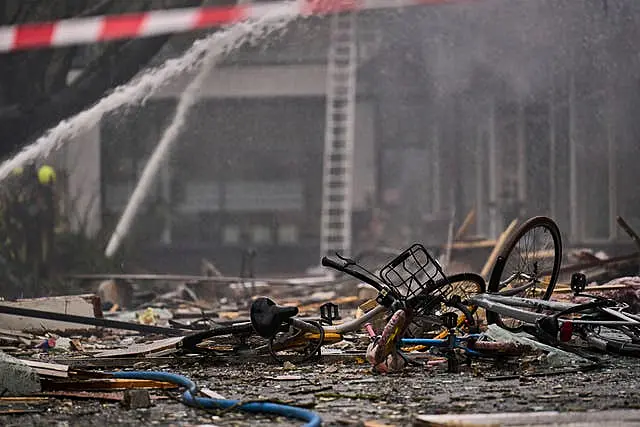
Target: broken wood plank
column 126, row 362
column 48, row 369
column 497, row 249
column 79, row 305
column 468, row 220
column 104, row 384
column 113, row 396
column 23, row 399
column 143, row 349
column 479, row 244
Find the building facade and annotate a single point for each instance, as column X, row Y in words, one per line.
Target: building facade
column 439, row 131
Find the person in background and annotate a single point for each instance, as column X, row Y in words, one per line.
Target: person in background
column 46, row 219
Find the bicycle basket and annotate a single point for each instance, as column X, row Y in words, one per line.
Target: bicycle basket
column 415, row 272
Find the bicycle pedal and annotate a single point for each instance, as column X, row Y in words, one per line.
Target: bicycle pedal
column 384, row 298
column 449, row 320
column 578, row 282
column 329, row 312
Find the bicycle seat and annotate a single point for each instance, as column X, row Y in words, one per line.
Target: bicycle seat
column 267, row 316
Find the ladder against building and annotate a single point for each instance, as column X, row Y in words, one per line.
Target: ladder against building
column 337, row 181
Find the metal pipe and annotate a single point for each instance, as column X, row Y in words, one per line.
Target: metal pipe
column 93, row 321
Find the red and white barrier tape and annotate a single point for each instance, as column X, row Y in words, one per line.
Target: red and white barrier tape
column 95, row 29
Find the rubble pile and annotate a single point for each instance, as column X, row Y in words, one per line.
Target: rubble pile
column 131, row 341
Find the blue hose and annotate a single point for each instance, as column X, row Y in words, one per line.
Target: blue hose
column 312, row 419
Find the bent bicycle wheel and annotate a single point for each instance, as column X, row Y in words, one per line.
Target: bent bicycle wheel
column 428, row 323
column 528, row 266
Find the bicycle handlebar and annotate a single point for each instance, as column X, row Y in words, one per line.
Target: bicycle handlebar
column 359, row 272
column 332, row 263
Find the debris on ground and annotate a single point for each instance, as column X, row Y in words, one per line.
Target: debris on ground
column 17, row 378
column 135, row 347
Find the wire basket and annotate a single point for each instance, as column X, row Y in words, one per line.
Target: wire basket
column 415, row 272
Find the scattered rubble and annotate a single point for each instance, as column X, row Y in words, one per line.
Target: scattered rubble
column 17, row 378
column 78, row 350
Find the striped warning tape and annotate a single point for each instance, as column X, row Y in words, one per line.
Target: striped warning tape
column 95, row 29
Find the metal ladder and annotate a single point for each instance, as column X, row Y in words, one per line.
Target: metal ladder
column 337, row 176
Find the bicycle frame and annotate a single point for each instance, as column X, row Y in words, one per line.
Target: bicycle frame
column 515, row 291
column 445, row 343
column 507, row 306
column 343, row 328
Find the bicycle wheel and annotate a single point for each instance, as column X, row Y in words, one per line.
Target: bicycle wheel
column 464, row 285
column 612, row 341
column 528, row 266
column 296, row 346
column 236, row 332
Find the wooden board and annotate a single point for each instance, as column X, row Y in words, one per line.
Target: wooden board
column 155, row 347
column 48, row 369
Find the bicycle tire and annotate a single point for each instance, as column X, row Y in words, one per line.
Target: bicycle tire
column 310, row 354
column 473, row 280
column 511, row 250
column 242, row 329
column 612, row 346
column 476, row 285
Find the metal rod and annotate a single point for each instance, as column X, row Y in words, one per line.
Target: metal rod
column 93, row 321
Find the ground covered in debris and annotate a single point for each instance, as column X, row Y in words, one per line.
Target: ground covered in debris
column 345, row 392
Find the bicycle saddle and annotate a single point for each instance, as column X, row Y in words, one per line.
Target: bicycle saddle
column 267, row 316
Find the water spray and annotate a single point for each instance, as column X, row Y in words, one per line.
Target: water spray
column 266, row 25
column 145, row 85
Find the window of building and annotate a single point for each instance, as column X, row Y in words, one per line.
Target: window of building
column 288, row 234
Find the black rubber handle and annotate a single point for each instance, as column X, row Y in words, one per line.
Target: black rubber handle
column 354, row 270
column 332, row 263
